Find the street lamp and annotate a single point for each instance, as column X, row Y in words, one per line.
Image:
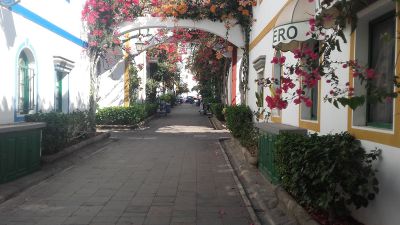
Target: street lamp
column 140, row 46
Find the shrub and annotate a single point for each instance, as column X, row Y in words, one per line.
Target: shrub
column 61, row 130
column 151, row 90
column 165, row 98
column 150, row 109
column 239, row 120
column 168, row 98
column 216, row 109
column 173, row 99
column 119, row 115
column 329, row 173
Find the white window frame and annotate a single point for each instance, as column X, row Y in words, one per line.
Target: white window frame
column 365, row 16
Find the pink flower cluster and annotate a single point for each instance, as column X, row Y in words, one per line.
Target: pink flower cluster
column 276, row 101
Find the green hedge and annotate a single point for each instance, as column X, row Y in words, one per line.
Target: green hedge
column 239, row 120
column 329, row 173
column 216, row 109
column 120, row 115
column 168, row 98
column 62, row 129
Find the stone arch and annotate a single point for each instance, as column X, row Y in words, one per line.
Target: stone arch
column 235, row 34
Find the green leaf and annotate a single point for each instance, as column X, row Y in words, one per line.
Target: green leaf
column 338, row 45
column 335, row 103
column 341, row 35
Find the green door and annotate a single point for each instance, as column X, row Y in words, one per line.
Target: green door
column 24, row 79
column 19, row 154
column 58, row 91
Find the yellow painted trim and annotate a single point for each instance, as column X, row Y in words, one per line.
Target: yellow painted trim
column 309, row 124
column 276, row 119
column 267, row 28
column 392, row 139
column 126, row 82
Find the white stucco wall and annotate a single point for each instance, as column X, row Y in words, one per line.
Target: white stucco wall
column 111, row 81
column 18, row 33
column 384, row 209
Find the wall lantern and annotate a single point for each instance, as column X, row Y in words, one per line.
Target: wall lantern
column 140, row 46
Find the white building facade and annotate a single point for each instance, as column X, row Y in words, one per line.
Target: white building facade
column 44, row 64
column 376, row 19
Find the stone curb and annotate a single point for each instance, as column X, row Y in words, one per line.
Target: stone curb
column 270, row 200
column 261, row 194
column 216, row 123
column 242, row 191
column 74, row 148
column 126, row 127
column 297, row 211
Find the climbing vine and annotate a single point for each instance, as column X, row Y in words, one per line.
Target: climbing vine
column 102, row 17
column 134, row 84
column 314, row 63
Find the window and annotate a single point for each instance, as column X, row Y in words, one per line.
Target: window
column 260, row 88
column 58, row 92
column 311, row 113
column 374, row 44
column 62, row 68
column 26, row 85
column 382, row 60
column 277, row 74
column 259, row 66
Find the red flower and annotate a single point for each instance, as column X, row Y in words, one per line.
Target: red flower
column 370, row 73
column 282, row 60
column 308, row 102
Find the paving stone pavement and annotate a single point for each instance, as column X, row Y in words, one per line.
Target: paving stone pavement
column 171, row 173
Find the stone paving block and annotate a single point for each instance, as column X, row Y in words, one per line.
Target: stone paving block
column 78, row 220
column 87, row 211
column 209, row 221
column 105, row 219
column 160, row 211
column 19, row 223
column 163, row 200
column 64, row 211
column 111, row 213
column 188, row 219
column 97, row 200
column 236, row 221
column 137, row 209
column 176, row 179
column 157, row 220
column 52, row 220
column 184, row 213
column 114, row 204
column 142, row 200
column 128, row 223
column 101, row 223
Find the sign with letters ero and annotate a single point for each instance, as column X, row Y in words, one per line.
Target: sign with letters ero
column 8, row 3
column 291, row 32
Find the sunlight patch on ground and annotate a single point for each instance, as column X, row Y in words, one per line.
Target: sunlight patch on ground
column 187, row 129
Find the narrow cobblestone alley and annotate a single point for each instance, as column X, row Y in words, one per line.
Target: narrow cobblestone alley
column 172, row 172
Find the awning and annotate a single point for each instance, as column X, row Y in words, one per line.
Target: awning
column 292, row 24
